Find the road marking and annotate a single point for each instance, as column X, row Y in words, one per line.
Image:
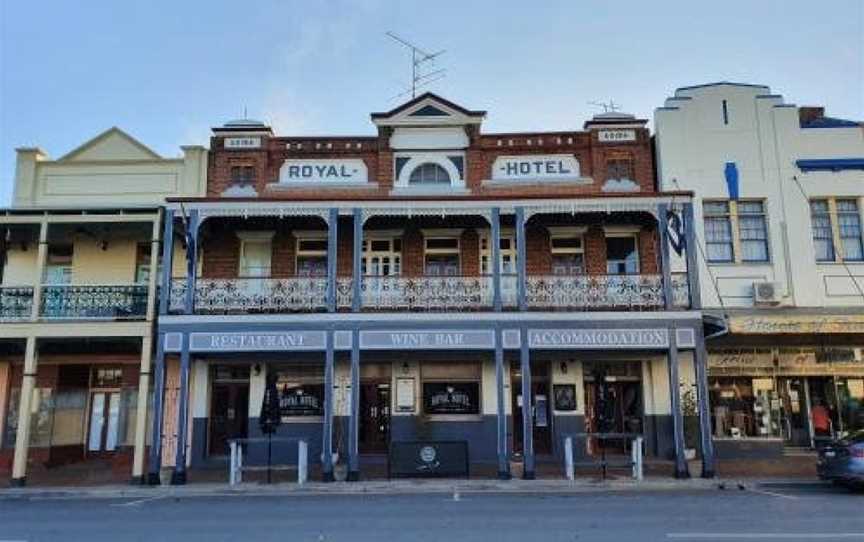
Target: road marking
column 139, row 501
column 766, row 536
column 773, row 494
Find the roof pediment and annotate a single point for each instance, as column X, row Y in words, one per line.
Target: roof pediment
column 111, row 145
column 428, row 109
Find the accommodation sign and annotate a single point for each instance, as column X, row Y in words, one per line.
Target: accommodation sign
column 427, row 340
column 323, row 171
column 267, row 341
column 598, row 338
column 535, row 167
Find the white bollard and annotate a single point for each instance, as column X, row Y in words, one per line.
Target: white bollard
column 232, row 465
column 637, row 459
column 568, row 458
column 302, row 462
column 239, row 463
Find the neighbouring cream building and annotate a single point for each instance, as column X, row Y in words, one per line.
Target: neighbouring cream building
column 778, row 210
column 78, row 251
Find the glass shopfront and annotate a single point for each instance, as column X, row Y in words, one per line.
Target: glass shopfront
column 803, row 397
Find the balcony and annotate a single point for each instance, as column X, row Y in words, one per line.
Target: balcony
column 101, row 302
column 16, row 303
column 431, row 294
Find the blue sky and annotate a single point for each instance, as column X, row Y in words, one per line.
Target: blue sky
column 167, row 71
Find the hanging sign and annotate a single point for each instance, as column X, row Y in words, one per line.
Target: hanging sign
column 323, row 171
column 535, row 167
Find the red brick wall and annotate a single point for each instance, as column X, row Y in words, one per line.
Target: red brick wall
column 595, row 251
column 469, row 247
column 282, row 261
column 412, row 252
column 538, row 260
column 648, row 256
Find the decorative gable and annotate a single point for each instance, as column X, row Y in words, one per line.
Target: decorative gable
column 428, row 110
column 111, row 145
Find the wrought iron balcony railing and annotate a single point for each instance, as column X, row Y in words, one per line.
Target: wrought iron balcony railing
column 116, row 302
column 440, row 293
column 253, row 295
column 16, row 303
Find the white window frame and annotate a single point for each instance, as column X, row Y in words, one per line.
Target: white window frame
column 486, row 251
column 563, row 232
column 733, row 216
column 402, row 182
column 453, row 234
column 394, row 256
column 254, row 238
column 308, row 235
column 630, row 232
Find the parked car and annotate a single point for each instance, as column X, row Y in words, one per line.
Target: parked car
column 842, row 461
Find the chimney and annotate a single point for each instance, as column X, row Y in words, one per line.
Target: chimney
column 807, row 114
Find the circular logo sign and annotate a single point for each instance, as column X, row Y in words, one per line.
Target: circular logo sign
column 428, row 454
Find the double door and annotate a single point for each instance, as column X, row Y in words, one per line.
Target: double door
column 104, row 427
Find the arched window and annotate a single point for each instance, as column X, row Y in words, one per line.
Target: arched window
column 429, row 173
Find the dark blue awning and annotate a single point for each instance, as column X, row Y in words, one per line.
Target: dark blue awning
column 830, row 164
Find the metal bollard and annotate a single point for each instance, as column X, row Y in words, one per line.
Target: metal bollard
column 302, row 462
column 232, row 466
column 636, row 455
column 568, row 458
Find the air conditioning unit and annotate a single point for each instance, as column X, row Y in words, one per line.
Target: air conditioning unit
column 766, row 293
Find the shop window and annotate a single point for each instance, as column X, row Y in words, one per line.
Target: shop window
column 507, row 251
column 622, row 255
column 312, row 255
column 736, row 231
column 301, row 390
column 382, row 256
column 242, row 175
column 451, row 389
column 442, row 256
column 58, row 266
column 745, row 407
column 429, row 173
column 568, row 253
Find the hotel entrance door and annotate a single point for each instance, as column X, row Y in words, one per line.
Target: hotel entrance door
column 613, row 403
column 540, row 408
column 229, row 407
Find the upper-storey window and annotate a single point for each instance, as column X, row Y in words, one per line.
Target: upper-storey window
column 311, row 254
column 429, row 173
column 736, row 231
column 142, row 263
column 382, row 256
column 619, row 169
column 622, row 254
column 442, row 255
column 568, row 253
column 256, row 249
column 58, row 267
column 242, row 174
column 836, row 224
column 507, row 254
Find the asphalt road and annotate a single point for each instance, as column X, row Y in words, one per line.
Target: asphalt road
column 773, row 513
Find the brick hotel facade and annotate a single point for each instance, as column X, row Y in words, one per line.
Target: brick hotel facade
column 448, row 275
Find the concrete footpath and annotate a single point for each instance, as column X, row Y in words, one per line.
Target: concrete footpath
column 393, row 487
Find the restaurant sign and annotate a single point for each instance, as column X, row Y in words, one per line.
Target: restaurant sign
column 266, row 341
column 323, row 171
column 535, row 167
column 783, row 324
column 598, row 338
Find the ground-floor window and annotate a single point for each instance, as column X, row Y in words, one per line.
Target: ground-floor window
column 451, row 388
column 301, row 390
column 801, row 410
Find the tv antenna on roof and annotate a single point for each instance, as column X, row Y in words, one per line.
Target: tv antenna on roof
column 420, row 59
column 608, row 107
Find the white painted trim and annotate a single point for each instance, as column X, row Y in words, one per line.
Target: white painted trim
column 567, row 231
column 249, row 235
column 417, row 159
column 621, row 231
column 448, row 233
